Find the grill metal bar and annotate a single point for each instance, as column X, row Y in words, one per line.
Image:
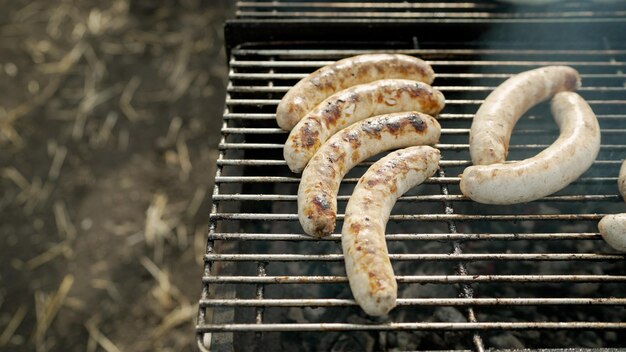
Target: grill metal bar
column 271, row 162
column 434, row 63
column 336, row 54
column 329, row 302
column 433, row 198
column 261, row 116
column 466, row 291
column 486, row 89
column 457, row 256
column 204, row 341
column 360, row 5
column 416, row 279
column 422, row 217
column 413, row 326
column 435, row 15
column 438, row 146
column 298, row 76
column 267, row 102
column 414, row 237
column 447, row 131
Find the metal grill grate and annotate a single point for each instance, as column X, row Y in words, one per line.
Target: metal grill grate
column 537, row 271
column 480, row 9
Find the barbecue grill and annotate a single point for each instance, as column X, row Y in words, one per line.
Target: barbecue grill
column 471, row 276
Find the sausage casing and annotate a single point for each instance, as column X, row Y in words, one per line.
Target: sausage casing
column 368, row 267
column 613, row 227
column 549, row 171
column 354, row 104
column 319, row 85
column 494, row 121
column 317, row 194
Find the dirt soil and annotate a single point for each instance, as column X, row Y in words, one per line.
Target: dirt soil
column 109, row 122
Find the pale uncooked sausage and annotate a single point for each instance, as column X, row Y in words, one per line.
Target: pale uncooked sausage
column 493, row 122
column 613, row 227
column 549, row 171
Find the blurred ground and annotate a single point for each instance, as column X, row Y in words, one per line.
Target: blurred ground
column 109, row 120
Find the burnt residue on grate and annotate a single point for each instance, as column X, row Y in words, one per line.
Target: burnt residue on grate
column 470, row 276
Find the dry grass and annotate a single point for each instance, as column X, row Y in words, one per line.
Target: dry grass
column 104, row 130
column 47, row 307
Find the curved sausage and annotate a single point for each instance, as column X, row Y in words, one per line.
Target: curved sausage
column 317, row 194
column 368, row 267
column 319, row 85
column 354, row 104
column 613, row 227
column 492, row 125
column 547, row 172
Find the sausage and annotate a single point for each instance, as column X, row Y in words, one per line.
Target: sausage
column 321, row 84
column 492, row 125
column 613, row 227
column 354, row 104
column 547, row 172
column 613, row 231
column 368, row 267
column 317, row 194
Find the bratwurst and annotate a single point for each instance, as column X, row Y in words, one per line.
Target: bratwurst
column 319, row 85
column 613, row 227
column 547, row 172
column 368, row 267
column 492, row 125
column 354, row 104
column 317, row 194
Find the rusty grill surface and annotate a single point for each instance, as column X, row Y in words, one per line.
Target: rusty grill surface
column 538, row 271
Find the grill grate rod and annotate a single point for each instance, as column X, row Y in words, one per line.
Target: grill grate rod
column 466, row 291
column 598, row 15
column 337, row 54
column 317, row 64
column 331, row 302
column 284, row 89
column 500, row 76
column 449, row 102
column 420, row 217
column 421, row 279
column 432, row 180
column 414, row 237
column 454, row 257
column 438, row 146
column 448, row 131
column 445, row 116
column 429, row 198
column 360, row 5
column 270, row 162
column 412, row 326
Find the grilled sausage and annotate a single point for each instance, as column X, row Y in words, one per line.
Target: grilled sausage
column 492, row 125
column 319, row 85
column 367, row 261
column 613, row 227
column 317, row 194
column 354, row 104
column 547, row 172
